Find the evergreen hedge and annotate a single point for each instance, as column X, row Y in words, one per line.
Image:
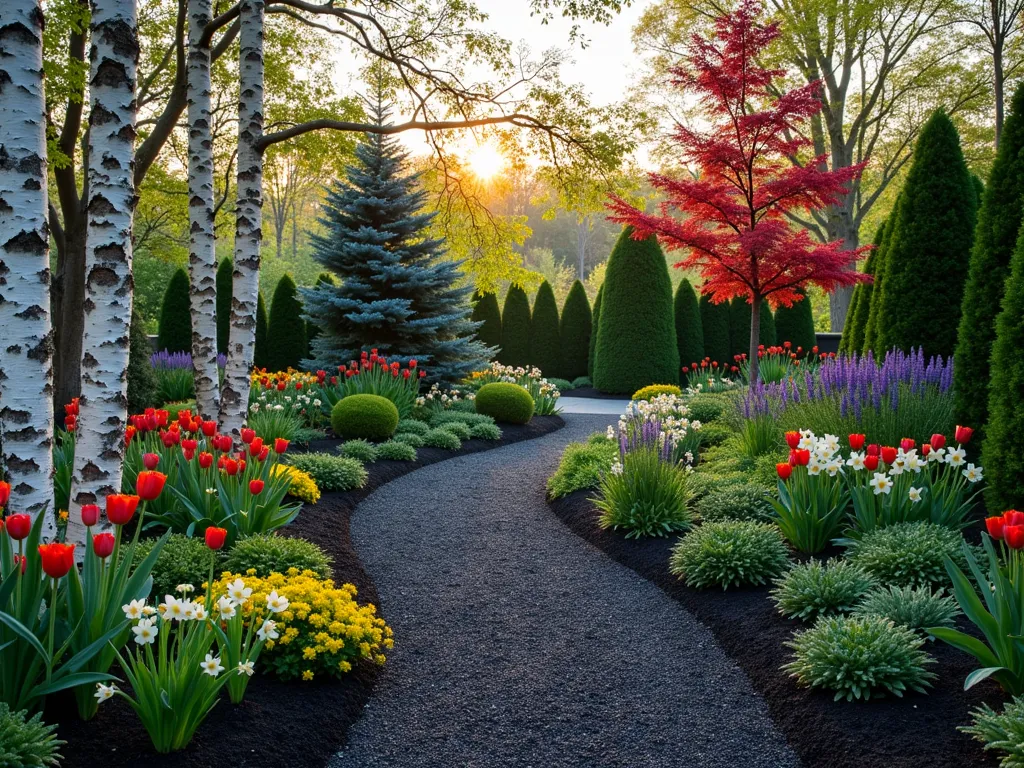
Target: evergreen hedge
column 796, row 324
column 141, row 379
column 874, row 296
column 860, row 302
column 574, row 331
column 488, row 314
column 175, row 330
column 224, row 293
column 999, row 220
column 714, row 319
column 636, row 343
column 689, row 330
column 739, row 327
column 766, row 330
column 594, row 326
column 260, row 351
column 545, row 342
column 515, row 328
column 286, row 334
column 928, row 257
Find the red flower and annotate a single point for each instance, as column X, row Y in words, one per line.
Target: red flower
column 129, row 433
column 873, row 449
column 57, row 558
column 263, row 454
column 70, row 422
column 150, row 460
column 280, row 386
column 406, row 373
column 423, row 374
column 209, row 428
column 280, row 445
column 103, row 544
column 871, row 462
column 188, row 454
column 800, row 457
column 888, row 454
column 994, row 526
column 413, row 363
column 1013, row 535
column 18, row 526
column 170, row 438
column 256, row 487
column 926, row 449
column 231, row 467
column 857, row 442
column 149, row 485
column 121, row 507
column 189, row 444
column 784, row 470
column 907, row 444
column 248, row 435
column 792, row 439
column 5, row 493
column 256, row 446
column 205, row 460
column 90, row 514
column 1013, row 517
column 938, row 441
column 215, row 537
column 23, row 561
column 71, row 409
column 963, row 435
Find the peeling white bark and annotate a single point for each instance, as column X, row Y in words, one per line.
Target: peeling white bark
column 26, row 339
column 99, row 452
column 248, row 223
column 202, row 251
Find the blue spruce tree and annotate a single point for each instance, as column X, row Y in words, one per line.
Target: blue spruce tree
column 398, row 292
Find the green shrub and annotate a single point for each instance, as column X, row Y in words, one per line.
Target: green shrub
column 689, row 329
column 515, row 328
column 259, row 355
column 286, row 333
column 860, row 302
column 395, row 450
column 27, row 742
column 594, row 327
column 505, row 402
column 484, row 431
column 653, row 390
column 737, row 501
column 331, row 473
column 714, row 434
column 370, row 417
column 175, row 331
column 141, row 378
column 815, row 589
column 729, row 553
column 174, row 409
column 457, row 428
column 442, row 438
column 575, row 329
column 269, row 553
column 306, row 435
column 644, row 496
column 739, row 327
column 1001, row 732
column 488, row 314
column 562, row 385
column 860, row 657
column 708, row 407
column 636, row 340
column 360, row 450
column 410, row 439
column 440, row 418
column 581, row 381
column 582, row 465
column 714, row 319
column 412, row 426
column 225, row 288
column 704, row 483
column 545, row 343
column 796, row 324
column 912, row 607
column 182, row 560
column 908, row 554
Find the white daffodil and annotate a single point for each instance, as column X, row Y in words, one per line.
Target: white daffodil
column 238, row 592
column 856, row 460
column 268, row 631
column 807, row 443
column 189, row 609
column 226, row 608
column 172, row 609
column 211, row 491
column 184, row 588
column 814, row 467
column 145, row 632
column 276, row 603
column 148, row 610
column 199, row 612
column 938, row 454
column 956, row 457
column 832, row 442
column 834, row 467
column 616, row 468
column 104, row 692
column 914, row 495
column 247, row 668
column 134, row 610
column 973, row 473
column 914, row 463
column 881, row 483
column 211, row 665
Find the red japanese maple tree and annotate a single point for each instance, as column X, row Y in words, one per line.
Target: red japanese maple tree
column 733, row 228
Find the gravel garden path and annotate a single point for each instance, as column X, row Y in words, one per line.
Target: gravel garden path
column 519, row 645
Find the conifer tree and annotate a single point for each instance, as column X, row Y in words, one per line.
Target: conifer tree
column 714, row 319
column 224, row 286
column 739, row 327
column 595, row 324
column 141, row 392
column 286, row 332
column 260, row 349
column 515, row 328
column 574, row 330
column 767, row 333
column 689, row 330
column 796, row 324
column 545, row 342
column 312, row 327
column 860, row 303
column 175, row 329
column 874, row 296
column 487, row 313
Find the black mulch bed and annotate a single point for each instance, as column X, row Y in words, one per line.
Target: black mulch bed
column 593, row 394
column 917, row 731
column 295, row 724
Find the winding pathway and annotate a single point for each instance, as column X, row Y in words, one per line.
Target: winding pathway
column 520, row 646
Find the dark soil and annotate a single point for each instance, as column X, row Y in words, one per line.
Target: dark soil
column 917, row 731
column 279, row 723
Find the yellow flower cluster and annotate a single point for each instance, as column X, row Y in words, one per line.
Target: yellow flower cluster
column 289, row 377
column 323, row 630
column 303, row 485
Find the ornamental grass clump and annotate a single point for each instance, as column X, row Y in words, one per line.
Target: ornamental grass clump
column 916, row 608
column 27, row 741
column 331, row 473
column 644, row 495
column 814, row 589
column 582, row 465
column 860, row 657
column 729, row 553
column 908, row 554
column 175, row 379
column 1001, row 732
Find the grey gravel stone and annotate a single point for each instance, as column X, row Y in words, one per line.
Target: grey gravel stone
column 519, row 645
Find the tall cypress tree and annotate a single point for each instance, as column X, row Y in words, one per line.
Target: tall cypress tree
column 796, row 324
column 857, row 315
column 714, row 319
column 594, row 326
column 515, row 328
column 545, row 342
column 739, row 327
column 487, row 312
column 259, row 358
column 142, row 383
column 224, row 290
column 286, row 333
column 999, row 220
column 574, row 330
column 175, row 331
column 636, row 343
column 931, row 245
column 399, row 292
column 874, row 296
column 689, row 330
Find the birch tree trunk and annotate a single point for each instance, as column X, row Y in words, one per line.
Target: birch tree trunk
column 26, row 339
column 234, row 399
column 202, row 244
column 99, row 450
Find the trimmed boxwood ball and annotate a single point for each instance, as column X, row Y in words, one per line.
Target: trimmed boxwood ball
column 175, row 333
column 689, row 329
column 442, row 438
column 370, row 417
column 646, row 393
column 331, row 473
column 488, row 314
column 360, row 450
column 915, row 608
column 394, row 450
column 270, row 553
column 714, row 319
column 813, row 589
column 636, row 339
column 515, row 328
column 707, row 407
column 860, row 657
column 909, row 554
column 545, row 341
column 575, row 330
column 729, row 553
column 409, row 438
column 484, row 431
column 505, row 402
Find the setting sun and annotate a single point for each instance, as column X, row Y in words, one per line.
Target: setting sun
column 485, row 160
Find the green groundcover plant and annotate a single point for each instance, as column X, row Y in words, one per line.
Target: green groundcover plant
column 729, row 553
column 27, row 742
column 814, row 588
column 916, row 608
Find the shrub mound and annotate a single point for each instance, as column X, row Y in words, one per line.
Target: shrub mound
column 909, row 554
column 582, row 465
column 814, row 589
column 269, row 553
column 442, row 438
column 182, row 560
column 506, row 402
column 457, row 428
column 912, row 607
column 730, row 553
column 360, row 450
column 653, row 390
column 331, row 473
column 409, row 438
column 1001, row 731
column 741, row 501
column 370, row 417
column 470, row 419
column 412, row 427
column 484, row 431
column 394, row 450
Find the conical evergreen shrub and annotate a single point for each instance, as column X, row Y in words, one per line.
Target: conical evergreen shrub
column 545, row 343
column 224, row 292
column 928, row 257
column 260, row 351
column 636, row 343
column 796, row 324
column 488, row 314
column 857, row 315
column 594, row 326
column 877, row 288
column 714, row 319
column 515, row 328
column 739, row 328
column 286, row 334
column 141, row 379
column 175, row 330
column 574, row 330
column 689, row 330
column 999, row 220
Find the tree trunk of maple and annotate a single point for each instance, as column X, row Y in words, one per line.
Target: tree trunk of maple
column 248, row 222
column 99, row 450
column 202, row 251
column 26, row 373
column 754, row 370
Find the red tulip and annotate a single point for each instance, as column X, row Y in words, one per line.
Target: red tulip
column 5, row 493
column 423, row 374
column 150, row 484
column 189, row 455
column 23, row 561
column 209, row 428
column 800, row 457
column 256, row 487
column 248, row 436
column 963, row 435
column 57, row 558
column 926, row 449
column 871, row 462
column 280, row 386
column 873, row 449
column 256, row 446
column 90, row 514
column 784, row 470
column 907, row 444
column 129, row 433
column 103, row 544
column 170, row 438
column 150, row 460
column 189, row 444
column 792, row 439
column 231, row 467
column 1013, row 517
column 938, row 441
column 70, row 422
column 994, row 526
column 121, row 507
column 263, row 454
column 215, row 537
column 18, row 526
column 888, row 454
column 1013, row 535
column 205, row 460
column 857, row 442
column 71, row 409
column 280, row 445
